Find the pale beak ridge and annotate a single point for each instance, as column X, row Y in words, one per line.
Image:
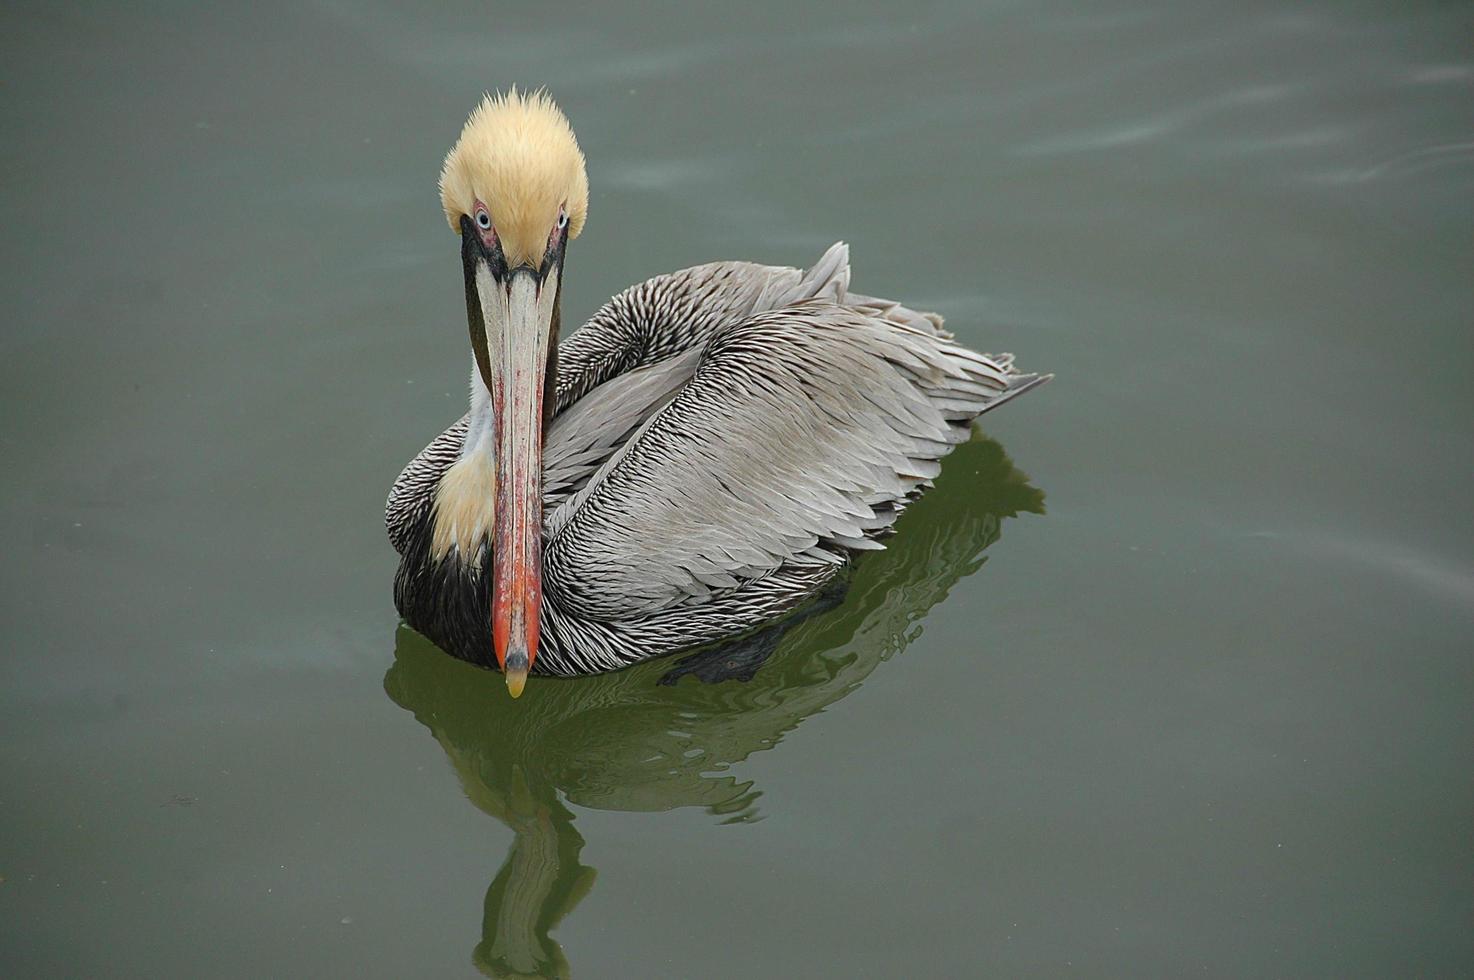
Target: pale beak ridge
column 517, row 317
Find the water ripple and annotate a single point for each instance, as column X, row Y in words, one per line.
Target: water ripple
column 1411, row 162
column 1449, row 580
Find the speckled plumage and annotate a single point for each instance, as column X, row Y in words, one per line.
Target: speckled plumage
column 725, row 438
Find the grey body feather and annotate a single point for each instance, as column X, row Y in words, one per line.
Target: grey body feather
column 725, row 437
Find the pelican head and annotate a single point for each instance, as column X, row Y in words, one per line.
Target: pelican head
column 514, row 188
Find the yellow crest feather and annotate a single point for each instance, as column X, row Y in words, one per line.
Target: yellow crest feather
column 518, row 155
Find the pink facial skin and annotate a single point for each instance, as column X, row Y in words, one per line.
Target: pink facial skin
column 481, row 217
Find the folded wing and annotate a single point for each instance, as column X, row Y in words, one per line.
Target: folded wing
column 800, row 435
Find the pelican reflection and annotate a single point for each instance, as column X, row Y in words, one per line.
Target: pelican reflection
column 665, row 733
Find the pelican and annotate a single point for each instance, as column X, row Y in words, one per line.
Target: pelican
column 709, row 450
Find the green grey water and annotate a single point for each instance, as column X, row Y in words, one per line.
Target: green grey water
column 1171, row 673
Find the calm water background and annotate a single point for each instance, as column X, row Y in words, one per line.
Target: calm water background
column 1210, row 714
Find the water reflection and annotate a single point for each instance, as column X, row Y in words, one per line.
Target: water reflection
column 663, row 734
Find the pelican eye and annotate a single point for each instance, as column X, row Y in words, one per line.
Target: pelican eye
column 562, row 218
column 483, row 220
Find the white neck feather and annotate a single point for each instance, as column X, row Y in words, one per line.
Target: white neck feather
column 481, row 429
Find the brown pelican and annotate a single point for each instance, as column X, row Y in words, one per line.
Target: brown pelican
column 700, row 457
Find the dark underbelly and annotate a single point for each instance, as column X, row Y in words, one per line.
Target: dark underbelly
column 447, row 601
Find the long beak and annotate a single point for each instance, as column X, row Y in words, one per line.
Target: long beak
column 511, row 347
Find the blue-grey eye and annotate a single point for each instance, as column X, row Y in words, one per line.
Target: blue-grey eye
column 562, row 219
column 483, row 220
